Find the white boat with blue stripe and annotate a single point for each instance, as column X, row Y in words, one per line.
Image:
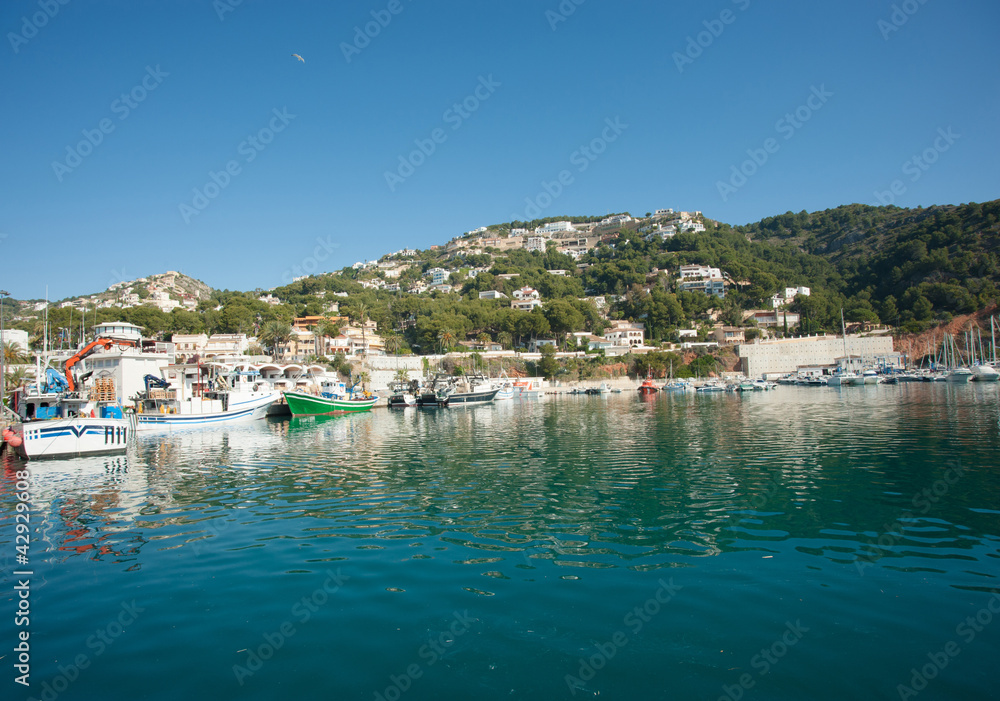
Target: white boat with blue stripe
column 58, row 423
column 188, row 396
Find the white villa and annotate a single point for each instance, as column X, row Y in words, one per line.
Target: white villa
column 526, row 299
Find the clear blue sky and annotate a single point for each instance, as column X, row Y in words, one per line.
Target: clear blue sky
column 548, row 83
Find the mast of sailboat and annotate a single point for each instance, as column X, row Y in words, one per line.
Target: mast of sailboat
column 843, row 331
column 993, row 341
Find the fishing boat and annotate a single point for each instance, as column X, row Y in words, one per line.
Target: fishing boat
column 434, row 390
column 678, row 386
column 528, row 388
column 193, row 398
column 469, row 389
column 603, row 388
column 305, row 404
column 57, row 422
column 404, row 394
column 505, row 387
column 711, row 386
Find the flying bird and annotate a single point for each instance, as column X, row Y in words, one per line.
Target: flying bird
column 299, row 57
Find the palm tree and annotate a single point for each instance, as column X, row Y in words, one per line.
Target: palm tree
column 392, row 342
column 12, row 379
column 364, row 378
column 274, row 333
column 505, row 339
column 360, row 311
column 445, row 338
column 328, row 329
column 13, row 355
column 484, row 340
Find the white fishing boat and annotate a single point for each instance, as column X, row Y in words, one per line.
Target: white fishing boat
column 711, row 386
column 57, row 422
column 528, row 388
column 404, row 394
column 678, row 386
column 504, row 386
column 189, row 396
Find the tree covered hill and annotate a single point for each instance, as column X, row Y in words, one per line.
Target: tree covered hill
column 906, row 266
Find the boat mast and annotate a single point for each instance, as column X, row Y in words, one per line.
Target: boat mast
column 993, row 340
column 843, row 330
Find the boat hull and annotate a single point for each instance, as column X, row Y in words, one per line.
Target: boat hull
column 249, row 410
column 61, row 438
column 466, row 398
column 984, row 373
column 401, row 401
column 302, row 404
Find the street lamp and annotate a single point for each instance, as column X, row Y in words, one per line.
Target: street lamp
column 3, row 351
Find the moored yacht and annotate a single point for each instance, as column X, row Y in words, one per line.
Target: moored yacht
column 985, row 373
column 961, row 375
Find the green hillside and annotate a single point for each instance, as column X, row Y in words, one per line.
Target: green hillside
column 907, row 266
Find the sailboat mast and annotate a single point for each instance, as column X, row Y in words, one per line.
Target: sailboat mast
column 843, row 331
column 993, row 340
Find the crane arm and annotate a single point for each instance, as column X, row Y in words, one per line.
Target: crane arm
column 90, row 348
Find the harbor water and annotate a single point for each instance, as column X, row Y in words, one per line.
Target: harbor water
column 816, row 543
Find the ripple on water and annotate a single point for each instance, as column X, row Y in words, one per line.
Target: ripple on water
column 550, row 521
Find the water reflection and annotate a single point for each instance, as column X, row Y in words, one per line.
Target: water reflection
column 575, row 483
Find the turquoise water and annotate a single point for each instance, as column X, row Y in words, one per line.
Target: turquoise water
column 801, row 543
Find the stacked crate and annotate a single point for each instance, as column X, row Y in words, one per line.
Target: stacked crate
column 103, row 390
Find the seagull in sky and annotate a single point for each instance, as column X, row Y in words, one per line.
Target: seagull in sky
column 299, row 57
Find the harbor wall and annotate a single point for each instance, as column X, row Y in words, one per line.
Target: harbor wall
column 786, row 355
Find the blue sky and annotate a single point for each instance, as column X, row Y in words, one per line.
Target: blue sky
column 634, row 106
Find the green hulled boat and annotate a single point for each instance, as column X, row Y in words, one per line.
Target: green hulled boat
column 303, row 404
